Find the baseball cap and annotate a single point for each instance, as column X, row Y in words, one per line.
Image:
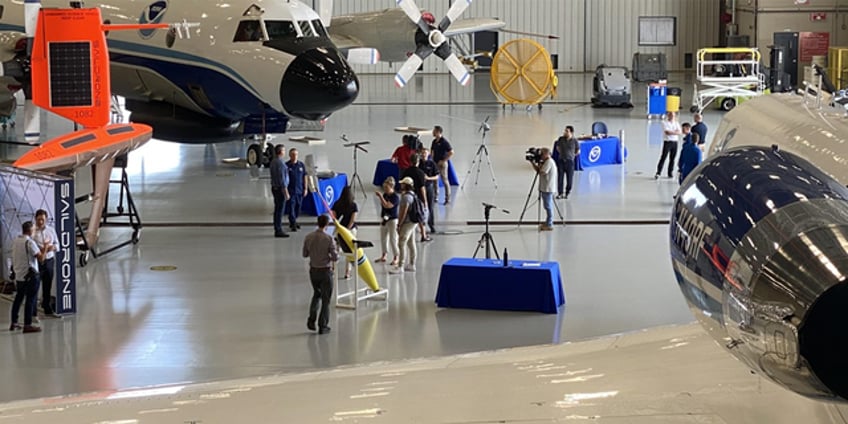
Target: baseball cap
column 407, row 181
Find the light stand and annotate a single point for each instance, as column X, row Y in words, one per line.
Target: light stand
column 538, row 202
column 486, row 238
column 478, row 157
column 354, row 179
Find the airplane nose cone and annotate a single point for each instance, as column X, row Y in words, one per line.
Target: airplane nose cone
column 317, row 83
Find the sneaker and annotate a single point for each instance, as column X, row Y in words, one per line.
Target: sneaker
column 546, row 228
column 310, row 325
column 324, row 330
column 396, row 270
column 53, row 315
column 32, row 329
column 657, row 176
column 409, row 268
column 15, row 326
column 35, row 320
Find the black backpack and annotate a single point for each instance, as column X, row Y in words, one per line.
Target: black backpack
column 414, row 212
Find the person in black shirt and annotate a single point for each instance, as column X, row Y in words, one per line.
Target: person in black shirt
column 389, row 202
column 431, row 170
column 419, row 179
column 345, row 209
column 442, row 152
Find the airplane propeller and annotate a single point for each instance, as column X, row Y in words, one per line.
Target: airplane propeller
column 434, row 41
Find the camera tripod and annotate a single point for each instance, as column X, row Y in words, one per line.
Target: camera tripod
column 354, row 179
column 482, row 150
column 487, row 239
column 538, row 202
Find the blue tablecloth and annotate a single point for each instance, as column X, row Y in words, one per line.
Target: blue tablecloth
column 387, row 168
column 604, row 151
column 331, row 188
column 486, row 284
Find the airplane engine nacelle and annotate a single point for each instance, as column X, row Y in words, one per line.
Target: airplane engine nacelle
column 759, row 247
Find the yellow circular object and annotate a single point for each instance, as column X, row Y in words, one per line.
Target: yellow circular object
column 522, row 73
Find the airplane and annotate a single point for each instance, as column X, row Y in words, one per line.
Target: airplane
column 248, row 68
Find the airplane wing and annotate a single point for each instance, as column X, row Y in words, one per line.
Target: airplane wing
column 662, row 375
column 472, row 25
column 345, row 42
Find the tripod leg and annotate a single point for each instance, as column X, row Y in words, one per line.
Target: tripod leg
column 559, row 212
column 479, row 244
column 491, row 168
column 527, row 202
column 494, row 246
column 361, row 186
column 474, row 163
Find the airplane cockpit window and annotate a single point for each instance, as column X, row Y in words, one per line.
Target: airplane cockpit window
column 280, row 30
column 248, row 31
column 306, row 29
column 319, row 28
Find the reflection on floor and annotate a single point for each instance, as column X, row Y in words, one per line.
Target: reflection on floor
column 236, row 304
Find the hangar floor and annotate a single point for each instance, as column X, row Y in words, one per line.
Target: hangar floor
column 236, row 304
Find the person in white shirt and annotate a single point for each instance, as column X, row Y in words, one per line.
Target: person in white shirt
column 25, row 257
column 46, row 238
column 671, row 135
column 547, row 171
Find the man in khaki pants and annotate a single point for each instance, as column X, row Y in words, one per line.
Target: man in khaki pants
column 442, row 152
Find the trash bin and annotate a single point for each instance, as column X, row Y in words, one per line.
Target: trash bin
column 673, row 99
column 657, row 99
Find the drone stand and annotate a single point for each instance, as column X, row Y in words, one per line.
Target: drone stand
column 538, row 203
column 354, row 179
column 358, row 294
column 477, row 163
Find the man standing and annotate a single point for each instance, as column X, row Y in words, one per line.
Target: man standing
column 25, row 257
column 671, row 134
column 546, row 170
column 46, row 239
column 442, row 152
column 431, row 171
column 322, row 252
column 279, row 188
column 297, row 188
column 690, row 154
column 700, row 128
column 567, row 149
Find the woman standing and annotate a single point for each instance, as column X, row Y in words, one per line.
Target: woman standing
column 345, row 210
column 389, row 201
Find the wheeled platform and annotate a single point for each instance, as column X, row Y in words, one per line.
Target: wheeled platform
column 727, row 75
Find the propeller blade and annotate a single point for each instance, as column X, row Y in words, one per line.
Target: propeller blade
column 458, row 70
column 31, row 8
column 454, row 13
column 32, row 124
column 408, row 70
column 411, row 9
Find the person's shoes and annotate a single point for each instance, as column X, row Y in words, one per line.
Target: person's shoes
column 310, row 325
column 52, row 315
column 423, row 239
column 281, row 235
column 446, row 202
column 670, row 176
column 35, row 320
column 380, row 260
column 566, row 196
column 396, row 270
column 324, row 330
column 347, row 276
column 546, row 227
column 15, row 327
column 297, row 225
column 432, row 230
column 32, row 329
column 409, row 268
column 656, row 176
column 292, row 228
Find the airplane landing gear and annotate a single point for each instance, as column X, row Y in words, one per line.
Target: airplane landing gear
column 261, row 152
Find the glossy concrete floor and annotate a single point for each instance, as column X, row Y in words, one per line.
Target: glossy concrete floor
column 236, row 304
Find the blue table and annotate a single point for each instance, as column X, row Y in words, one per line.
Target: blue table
column 603, row 151
column 331, row 188
column 387, row 168
column 486, row 284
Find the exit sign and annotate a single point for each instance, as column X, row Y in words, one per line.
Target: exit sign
column 818, row 16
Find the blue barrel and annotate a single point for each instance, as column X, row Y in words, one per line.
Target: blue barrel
column 657, row 98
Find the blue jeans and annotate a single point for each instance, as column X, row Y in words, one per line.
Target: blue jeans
column 548, row 203
column 293, row 207
column 26, row 289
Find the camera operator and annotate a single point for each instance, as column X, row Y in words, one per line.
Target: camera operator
column 546, row 168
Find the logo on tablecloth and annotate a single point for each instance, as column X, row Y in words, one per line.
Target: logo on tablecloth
column 595, row 154
column 329, row 194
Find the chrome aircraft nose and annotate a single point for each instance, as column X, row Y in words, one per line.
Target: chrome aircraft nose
column 317, row 83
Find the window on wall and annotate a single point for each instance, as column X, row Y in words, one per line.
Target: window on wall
column 657, row 30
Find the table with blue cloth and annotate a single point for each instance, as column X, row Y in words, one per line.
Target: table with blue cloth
column 330, row 188
column 386, row 168
column 487, row 284
column 603, row 151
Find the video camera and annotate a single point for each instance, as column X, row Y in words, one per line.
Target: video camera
column 534, row 155
column 413, row 142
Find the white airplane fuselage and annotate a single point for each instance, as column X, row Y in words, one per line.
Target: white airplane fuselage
column 242, row 62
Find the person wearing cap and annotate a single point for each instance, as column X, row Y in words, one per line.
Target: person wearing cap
column 406, row 228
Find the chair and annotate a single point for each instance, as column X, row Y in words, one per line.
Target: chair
column 599, row 128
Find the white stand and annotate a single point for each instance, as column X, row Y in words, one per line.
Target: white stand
column 357, row 294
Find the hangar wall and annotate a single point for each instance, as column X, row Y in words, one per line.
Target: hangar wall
column 761, row 19
column 591, row 32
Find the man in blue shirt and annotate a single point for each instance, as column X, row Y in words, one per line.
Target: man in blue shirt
column 297, row 188
column 690, row 154
column 700, row 129
column 442, row 152
column 279, row 188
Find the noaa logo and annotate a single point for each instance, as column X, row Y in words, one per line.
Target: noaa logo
column 329, row 194
column 152, row 14
column 595, row 154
